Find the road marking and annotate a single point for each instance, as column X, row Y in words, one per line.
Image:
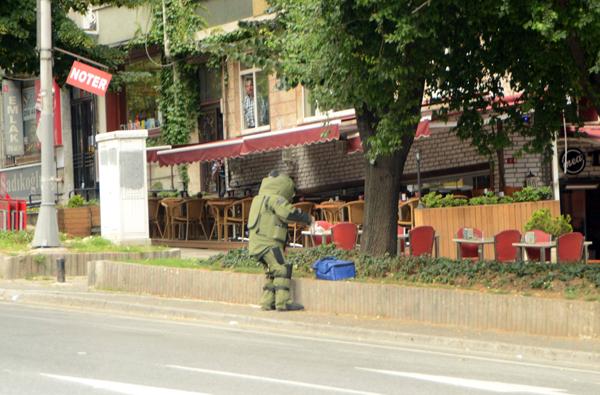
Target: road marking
column 492, row 386
column 121, row 388
column 273, row 380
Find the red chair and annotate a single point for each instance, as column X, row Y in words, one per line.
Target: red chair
column 344, row 235
column 569, row 247
column 421, row 240
column 533, row 254
column 504, row 251
column 323, row 239
column 469, row 250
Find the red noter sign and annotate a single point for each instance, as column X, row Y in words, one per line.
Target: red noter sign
column 89, row 78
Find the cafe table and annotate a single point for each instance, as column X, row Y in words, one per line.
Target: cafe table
column 310, row 234
column 542, row 246
column 480, row 242
column 218, row 207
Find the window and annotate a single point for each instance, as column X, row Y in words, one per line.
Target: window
column 142, row 96
column 210, row 84
column 255, row 98
column 312, row 110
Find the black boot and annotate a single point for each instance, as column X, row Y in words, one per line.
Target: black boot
column 291, row 306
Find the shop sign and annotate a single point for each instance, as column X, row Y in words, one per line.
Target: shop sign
column 20, row 182
column 89, row 78
column 13, row 118
column 574, row 161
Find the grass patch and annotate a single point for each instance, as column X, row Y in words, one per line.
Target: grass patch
column 15, row 241
column 99, row 244
column 171, row 262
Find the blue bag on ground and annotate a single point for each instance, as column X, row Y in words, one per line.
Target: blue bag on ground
column 331, row 268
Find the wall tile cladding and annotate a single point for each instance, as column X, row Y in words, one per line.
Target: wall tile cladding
column 320, row 165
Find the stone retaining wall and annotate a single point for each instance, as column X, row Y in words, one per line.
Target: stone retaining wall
column 44, row 264
column 460, row 308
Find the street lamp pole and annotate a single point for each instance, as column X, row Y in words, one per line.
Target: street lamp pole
column 420, row 204
column 46, row 230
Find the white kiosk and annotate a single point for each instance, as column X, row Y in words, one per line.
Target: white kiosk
column 123, row 190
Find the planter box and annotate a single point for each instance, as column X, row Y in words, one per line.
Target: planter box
column 76, row 221
column 79, row 221
column 490, row 219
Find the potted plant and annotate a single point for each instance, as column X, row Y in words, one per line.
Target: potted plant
column 543, row 220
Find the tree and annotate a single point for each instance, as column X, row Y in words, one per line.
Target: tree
column 383, row 58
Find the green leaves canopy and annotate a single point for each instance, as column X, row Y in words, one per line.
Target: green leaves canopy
column 18, row 55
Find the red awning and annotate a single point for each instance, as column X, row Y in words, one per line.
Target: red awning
column 152, row 152
column 201, row 152
column 423, row 131
column 256, row 143
column 591, row 131
column 294, row 137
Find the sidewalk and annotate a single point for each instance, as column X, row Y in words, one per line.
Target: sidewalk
column 529, row 349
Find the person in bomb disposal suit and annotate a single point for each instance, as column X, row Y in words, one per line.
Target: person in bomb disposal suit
column 270, row 213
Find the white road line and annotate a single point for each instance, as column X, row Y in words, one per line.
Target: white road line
column 121, row 388
column 273, row 380
column 492, row 386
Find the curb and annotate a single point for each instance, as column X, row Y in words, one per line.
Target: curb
column 149, row 306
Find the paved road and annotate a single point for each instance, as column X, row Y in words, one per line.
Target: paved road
column 45, row 351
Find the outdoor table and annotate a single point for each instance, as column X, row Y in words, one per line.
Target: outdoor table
column 549, row 244
column 323, row 235
column 436, row 243
column 218, row 207
column 480, row 242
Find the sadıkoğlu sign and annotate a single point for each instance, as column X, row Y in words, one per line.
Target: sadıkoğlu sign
column 89, row 78
column 20, row 182
column 573, row 160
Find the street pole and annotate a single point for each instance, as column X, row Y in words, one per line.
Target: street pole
column 46, row 229
column 418, row 155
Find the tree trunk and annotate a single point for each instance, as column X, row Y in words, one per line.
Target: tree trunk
column 382, row 187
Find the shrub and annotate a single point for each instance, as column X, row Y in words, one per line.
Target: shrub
column 542, row 220
column 530, row 194
column 76, row 201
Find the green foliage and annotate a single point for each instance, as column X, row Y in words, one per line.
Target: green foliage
column 529, row 194
column 519, row 276
column 79, row 201
column 18, row 55
column 76, row 201
column 100, row 244
column 15, row 241
column 542, row 220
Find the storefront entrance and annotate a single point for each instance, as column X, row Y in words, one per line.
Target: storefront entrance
column 83, row 118
column 583, row 205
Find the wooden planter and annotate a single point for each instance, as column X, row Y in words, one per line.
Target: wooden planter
column 79, row 221
column 490, row 219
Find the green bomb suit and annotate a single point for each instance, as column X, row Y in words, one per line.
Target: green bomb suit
column 270, row 214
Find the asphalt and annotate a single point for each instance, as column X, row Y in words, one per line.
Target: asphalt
column 75, row 294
